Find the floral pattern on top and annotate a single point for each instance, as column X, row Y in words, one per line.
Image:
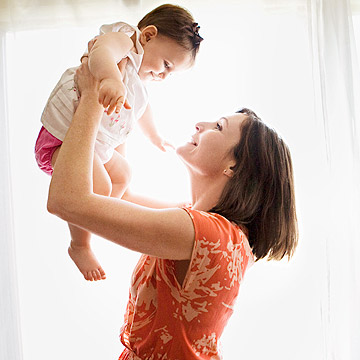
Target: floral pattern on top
column 168, row 320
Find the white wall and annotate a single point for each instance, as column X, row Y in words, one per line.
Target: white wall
column 245, row 60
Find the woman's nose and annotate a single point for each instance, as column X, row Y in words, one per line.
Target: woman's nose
column 199, row 126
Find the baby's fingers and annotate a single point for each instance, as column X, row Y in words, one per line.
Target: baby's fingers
column 111, row 107
column 166, row 143
column 102, row 96
column 127, row 105
column 121, row 102
column 107, row 102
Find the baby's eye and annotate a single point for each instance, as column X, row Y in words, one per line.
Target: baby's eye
column 219, row 126
column 166, row 64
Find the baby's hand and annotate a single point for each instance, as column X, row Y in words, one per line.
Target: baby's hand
column 112, row 95
column 161, row 143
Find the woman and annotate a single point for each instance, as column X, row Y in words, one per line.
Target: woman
column 194, row 258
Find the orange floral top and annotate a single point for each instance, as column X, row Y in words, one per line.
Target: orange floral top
column 166, row 320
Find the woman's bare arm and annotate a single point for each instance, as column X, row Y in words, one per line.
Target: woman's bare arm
column 167, row 233
column 142, row 200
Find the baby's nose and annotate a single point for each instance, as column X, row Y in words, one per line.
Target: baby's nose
column 163, row 75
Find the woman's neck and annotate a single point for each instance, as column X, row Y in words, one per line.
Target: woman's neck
column 206, row 191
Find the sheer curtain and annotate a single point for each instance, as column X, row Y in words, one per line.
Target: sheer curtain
column 18, row 15
column 10, row 338
column 295, row 63
column 337, row 93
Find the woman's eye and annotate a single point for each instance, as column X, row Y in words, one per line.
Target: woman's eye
column 219, row 126
column 166, row 65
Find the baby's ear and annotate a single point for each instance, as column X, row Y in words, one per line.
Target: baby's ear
column 148, row 33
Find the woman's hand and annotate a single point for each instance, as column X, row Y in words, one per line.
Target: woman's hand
column 84, row 80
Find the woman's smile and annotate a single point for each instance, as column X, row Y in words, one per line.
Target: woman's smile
column 209, row 150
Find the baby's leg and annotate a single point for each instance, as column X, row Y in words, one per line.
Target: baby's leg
column 119, row 171
column 79, row 249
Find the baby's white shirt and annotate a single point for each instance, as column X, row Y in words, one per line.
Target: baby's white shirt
column 114, row 129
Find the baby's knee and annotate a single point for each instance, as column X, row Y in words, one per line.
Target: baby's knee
column 121, row 179
column 119, row 172
column 102, row 188
column 126, row 174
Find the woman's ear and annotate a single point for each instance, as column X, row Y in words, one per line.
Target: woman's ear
column 148, row 33
column 229, row 169
column 228, row 172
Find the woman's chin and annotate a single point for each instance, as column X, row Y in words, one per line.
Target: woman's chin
column 186, row 151
column 178, row 150
column 181, row 149
column 181, row 152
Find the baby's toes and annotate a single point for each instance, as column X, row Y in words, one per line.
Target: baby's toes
column 102, row 273
column 88, row 276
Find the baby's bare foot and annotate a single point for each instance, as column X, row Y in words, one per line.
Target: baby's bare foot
column 86, row 262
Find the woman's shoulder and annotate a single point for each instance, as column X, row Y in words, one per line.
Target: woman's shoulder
column 220, row 238
column 209, row 216
column 215, row 225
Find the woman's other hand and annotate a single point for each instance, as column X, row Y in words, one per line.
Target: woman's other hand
column 84, row 80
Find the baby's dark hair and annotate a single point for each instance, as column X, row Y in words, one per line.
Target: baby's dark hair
column 177, row 24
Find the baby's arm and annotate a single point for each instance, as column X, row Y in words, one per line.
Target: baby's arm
column 147, row 125
column 107, row 51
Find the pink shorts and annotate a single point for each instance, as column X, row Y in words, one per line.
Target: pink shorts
column 45, row 146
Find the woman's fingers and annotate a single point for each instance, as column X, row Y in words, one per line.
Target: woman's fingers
column 84, row 80
column 91, row 43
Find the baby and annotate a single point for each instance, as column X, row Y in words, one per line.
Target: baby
column 122, row 58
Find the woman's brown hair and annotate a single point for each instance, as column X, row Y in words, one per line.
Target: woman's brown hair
column 260, row 195
column 177, row 24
